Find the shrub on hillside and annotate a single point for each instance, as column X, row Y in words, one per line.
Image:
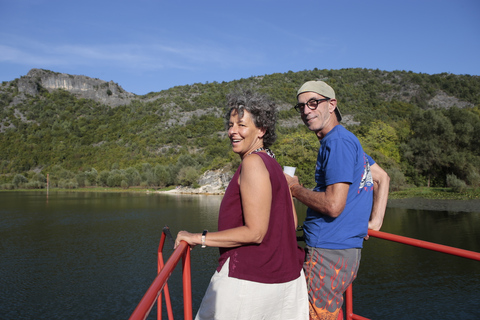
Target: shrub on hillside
column 7, row 186
column 19, row 180
column 187, row 176
column 133, row 177
column 115, row 178
column 39, row 177
column 81, row 178
column 102, row 178
column 397, row 179
column 457, row 185
column 68, row 183
column 473, row 179
column 35, row 185
column 91, row 177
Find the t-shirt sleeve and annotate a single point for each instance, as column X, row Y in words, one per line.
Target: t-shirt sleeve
column 370, row 159
column 340, row 162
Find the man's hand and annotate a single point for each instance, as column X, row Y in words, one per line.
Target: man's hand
column 291, row 180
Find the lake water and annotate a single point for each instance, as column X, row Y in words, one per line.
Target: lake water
column 93, row 256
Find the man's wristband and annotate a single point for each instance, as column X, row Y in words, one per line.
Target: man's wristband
column 204, row 233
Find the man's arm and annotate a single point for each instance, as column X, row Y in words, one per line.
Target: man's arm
column 330, row 203
column 381, row 185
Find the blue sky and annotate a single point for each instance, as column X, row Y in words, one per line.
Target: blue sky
column 147, row 45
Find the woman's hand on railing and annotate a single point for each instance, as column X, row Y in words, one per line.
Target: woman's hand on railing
column 191, row 238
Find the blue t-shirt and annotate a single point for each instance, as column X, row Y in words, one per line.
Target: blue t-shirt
column 341, row 159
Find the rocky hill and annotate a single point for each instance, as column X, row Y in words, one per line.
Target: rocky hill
column 108, row 93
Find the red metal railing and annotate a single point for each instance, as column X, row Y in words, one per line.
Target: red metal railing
column 159, row 284
column 412, row 242
column 426, row 245
column 154, row 292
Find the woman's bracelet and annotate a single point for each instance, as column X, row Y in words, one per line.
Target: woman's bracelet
column 204, row 233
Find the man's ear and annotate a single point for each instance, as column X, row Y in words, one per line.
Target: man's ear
column 332, row 105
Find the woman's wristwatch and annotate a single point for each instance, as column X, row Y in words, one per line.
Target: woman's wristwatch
column 204, row 233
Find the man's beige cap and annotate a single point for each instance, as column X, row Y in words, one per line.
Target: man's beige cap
column 322, row 89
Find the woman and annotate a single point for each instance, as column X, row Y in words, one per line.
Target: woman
column 259, row 275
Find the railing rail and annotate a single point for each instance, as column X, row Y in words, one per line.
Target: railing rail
column 426, row 245
column 154, row 293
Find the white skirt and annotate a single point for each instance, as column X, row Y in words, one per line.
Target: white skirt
column 231, row 298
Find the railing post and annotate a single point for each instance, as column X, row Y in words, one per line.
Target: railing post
column 349, row 303
column 187, row 286
column 160, row 265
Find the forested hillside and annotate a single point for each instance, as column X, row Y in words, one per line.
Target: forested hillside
column 423, row 129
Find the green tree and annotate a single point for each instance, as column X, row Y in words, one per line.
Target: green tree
column 133, row 177
column 431, row 145
column 115, row 178
column 381, row 143
column 91, row 177
column 81, row 178
column 188, row 176
column 162, row 176
column 299, row 149
column 103, row 178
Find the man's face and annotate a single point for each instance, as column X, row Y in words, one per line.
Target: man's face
column 316, row 120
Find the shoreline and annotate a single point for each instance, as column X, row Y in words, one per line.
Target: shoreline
column 414, row 203
column 207, row 191
column 417, row 203
column 406, row 202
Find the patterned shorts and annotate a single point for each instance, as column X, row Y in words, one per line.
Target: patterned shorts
column 329, row 273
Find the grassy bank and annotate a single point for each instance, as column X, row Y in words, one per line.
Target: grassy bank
column 435, row 193
column 95, row 189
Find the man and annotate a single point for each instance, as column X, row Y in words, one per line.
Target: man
column 341, row 207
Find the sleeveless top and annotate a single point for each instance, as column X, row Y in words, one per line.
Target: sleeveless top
column 278, row 258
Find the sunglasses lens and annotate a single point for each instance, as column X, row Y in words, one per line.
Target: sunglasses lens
column 299, row 107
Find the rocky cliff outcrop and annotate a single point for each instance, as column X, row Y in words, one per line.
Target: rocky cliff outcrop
column 442, row 100
column 108, row 93
column 211, row 182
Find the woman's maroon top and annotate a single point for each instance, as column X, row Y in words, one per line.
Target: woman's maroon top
column 278, row 258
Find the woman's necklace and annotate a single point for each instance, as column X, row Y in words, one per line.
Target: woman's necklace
column 268, row 151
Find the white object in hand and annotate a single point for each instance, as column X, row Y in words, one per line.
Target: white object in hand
column 289, row 170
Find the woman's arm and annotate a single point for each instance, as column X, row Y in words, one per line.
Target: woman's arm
column 256, row 195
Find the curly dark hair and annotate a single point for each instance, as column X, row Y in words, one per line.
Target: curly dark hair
column 261, row 108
